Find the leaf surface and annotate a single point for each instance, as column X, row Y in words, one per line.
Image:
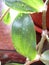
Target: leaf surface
column 25, row 5
column 24, row 36
column 8, row 15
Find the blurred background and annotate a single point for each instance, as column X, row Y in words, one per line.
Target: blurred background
column 7, row 51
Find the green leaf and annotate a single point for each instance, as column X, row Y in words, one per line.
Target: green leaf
column 25, row 5
column 24, row 36
column 45, row 57
column 8, row 18
column 13, row 64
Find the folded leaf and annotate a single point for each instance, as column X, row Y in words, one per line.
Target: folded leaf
column 24, row 36
column 25, row 5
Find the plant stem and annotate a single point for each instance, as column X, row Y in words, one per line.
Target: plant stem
column 44, row 15
column 44, row 20
column 40, row 44
column 46, row 2
column 31, row 62
column 4, row 14
column 44, row 32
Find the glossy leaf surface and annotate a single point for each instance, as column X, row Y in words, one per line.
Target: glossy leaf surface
column 24, row 36
column 25, row 5
column 45, row 57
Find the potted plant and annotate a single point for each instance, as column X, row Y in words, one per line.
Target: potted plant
column 23, row 32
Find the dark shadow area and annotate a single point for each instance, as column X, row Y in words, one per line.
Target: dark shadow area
column 37, row 63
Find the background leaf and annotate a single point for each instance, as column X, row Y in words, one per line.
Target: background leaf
column 45, row 57
column 7, row 18
column 24, row 36
column 10, row 15
column 25, row 5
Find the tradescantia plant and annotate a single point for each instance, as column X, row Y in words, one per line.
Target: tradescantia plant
column 23, row 32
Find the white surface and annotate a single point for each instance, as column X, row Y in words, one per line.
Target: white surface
column 0, row 62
